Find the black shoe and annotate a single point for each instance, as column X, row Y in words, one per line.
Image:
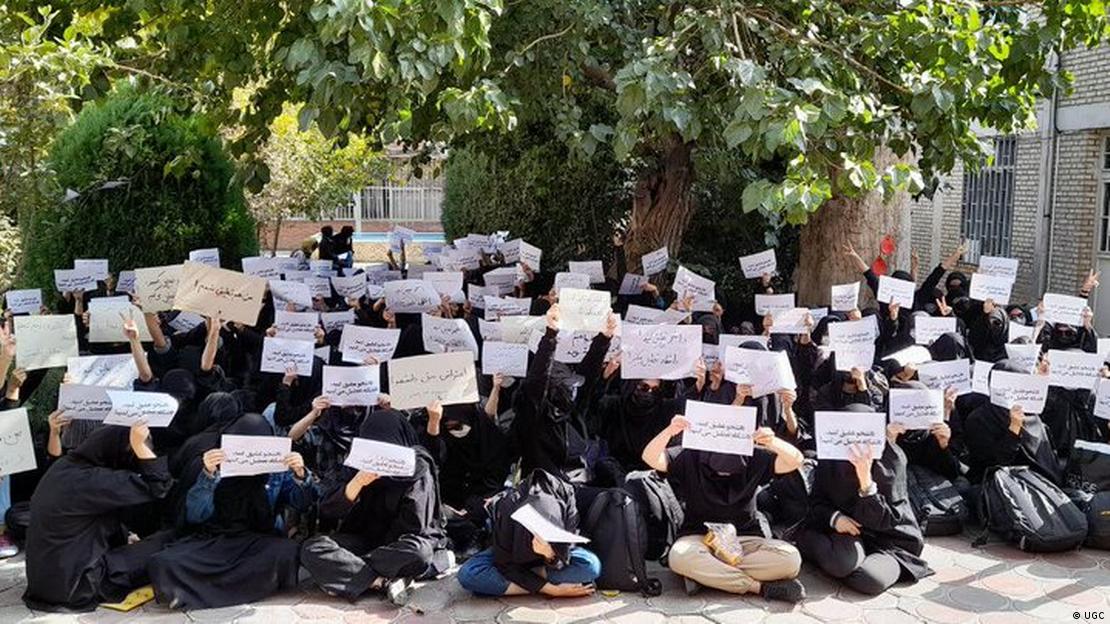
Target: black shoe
column 692, row 586
column 791, row 591
column 398, row 591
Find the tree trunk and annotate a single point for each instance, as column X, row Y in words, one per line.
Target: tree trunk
column 863, row 222
column 661, row 205
column 277, row 234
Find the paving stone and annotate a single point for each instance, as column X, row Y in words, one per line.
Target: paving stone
column 1071, row 560
column 1080, row 596
column 944, row 614
column 740, row 611
column 426, row 618
column 833, row 609
column 49, row 618
column 319, row 610
column 576, row 609
column 269, row 614
column 369, row 616
column 953, row 574
column 223, row 614
column 1043, row 570
column 889, row 616
column 677, row 603
column 476, row 609
column 530, row 615
column 789, row 618
column 1008, row 618
column 885, row 600
column 638, row 617
column 1010, row 584
column 108, row 616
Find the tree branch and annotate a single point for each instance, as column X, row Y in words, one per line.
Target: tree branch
column 848, row 58
column 537, row 41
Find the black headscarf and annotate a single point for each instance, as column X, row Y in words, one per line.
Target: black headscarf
column 956, row 287
column 241, row 502
column 711, row 328
column 389, row 426
column 212, row 416
column 948, row 347
column 107, row 447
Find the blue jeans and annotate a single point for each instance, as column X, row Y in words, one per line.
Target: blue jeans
column 480, row 576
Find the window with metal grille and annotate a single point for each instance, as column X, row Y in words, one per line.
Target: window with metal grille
column 988, row 203
column 1104, row 209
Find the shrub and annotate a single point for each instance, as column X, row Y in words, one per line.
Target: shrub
column 153, row 184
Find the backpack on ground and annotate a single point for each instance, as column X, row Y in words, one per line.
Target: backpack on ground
column 1089, row 467
column 1097, row 508
column 618, row 536
column 936, row 502
column 1023, row 507
column 660, row 507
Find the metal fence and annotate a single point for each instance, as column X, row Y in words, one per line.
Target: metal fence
column 388, row 202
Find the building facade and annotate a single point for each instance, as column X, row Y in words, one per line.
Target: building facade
column 1045, row 198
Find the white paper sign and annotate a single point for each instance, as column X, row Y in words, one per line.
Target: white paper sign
column 352, row 287
column 44, row 341
column 84, row 402
column 1076, row 370
column 838, row 432
column 844, row 297
column 853, row 343
column 640, row 315
column 997, row 266
column 279, row 353
column 125, row 283
column 73, row 280
column 583, row 310
column 211, row 257
column 411, row 296
column 659, row 351
column 690, row 284
column 1023, row 356
column 219, row 293
column 499, row 307
column 98, row 267
column 1028, row 391
column 296, row 325
column 116, row 371
column 1018, row 331
column 319, row 286
column 766, row 371
column 632, row 284
column 504, row 357
column 993, row 287
column 296, row 293
column 980, row 377
column 518, row 329
column 1064, row 309
column 655, row 262
column 893, row 290
column 266, row 268
column 17, row 449
column 944, row 375
column 381, row 458
column 445, row 282
column 157, row 409
column 719, row 428
column 916, row 408
column 545, row 529
column 769, row 304
column 248, row 455
column 336, row 320
column 926, row 329
column 185, row 321
column 1102, row 399
column 791, row 321
column 27, row 301
column 447, row 335
column 106, row 318
column 571, row 280
column 352, row 385
column 445, row 377
column 592, row 268
column 758, row 264
column 156, row 287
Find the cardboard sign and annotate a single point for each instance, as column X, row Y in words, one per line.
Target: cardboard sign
column 915, row 408
column 381, row 458
column 248, row 455
column 156, row 287
column 44, row 341
column 759, row 264
column 718, row 428
column 279, row 353
column 351, row 385
column 445, row 377
column 219, row 293
column 838, row 432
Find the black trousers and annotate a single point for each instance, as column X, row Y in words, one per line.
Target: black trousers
column 346, row 565
column 843, row 557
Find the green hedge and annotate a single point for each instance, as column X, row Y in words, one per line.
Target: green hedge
column 177, row 191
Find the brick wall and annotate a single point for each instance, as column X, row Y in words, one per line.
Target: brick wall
column 1091, row 71
column 1073, row 219
column 1027, row 192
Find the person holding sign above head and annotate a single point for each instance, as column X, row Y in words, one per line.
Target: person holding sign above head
column 391, row 528
column 721, row 488
column 231, row 547
column 77, row 550
column 535, row 548
column 861, row 527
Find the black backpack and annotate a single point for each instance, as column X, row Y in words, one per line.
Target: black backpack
column 660, row 508
column 1097, row 507
column 1088, row 469
column 936, row 502
column 618, row 536
column 1027, row 509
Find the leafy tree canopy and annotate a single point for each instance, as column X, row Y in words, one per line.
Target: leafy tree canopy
column 812, row 85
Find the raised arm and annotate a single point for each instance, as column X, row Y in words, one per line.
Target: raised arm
column 131, row 333
column 211, row 344
column 655, row 453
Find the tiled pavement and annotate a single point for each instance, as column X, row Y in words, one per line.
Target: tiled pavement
column 995, row 584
